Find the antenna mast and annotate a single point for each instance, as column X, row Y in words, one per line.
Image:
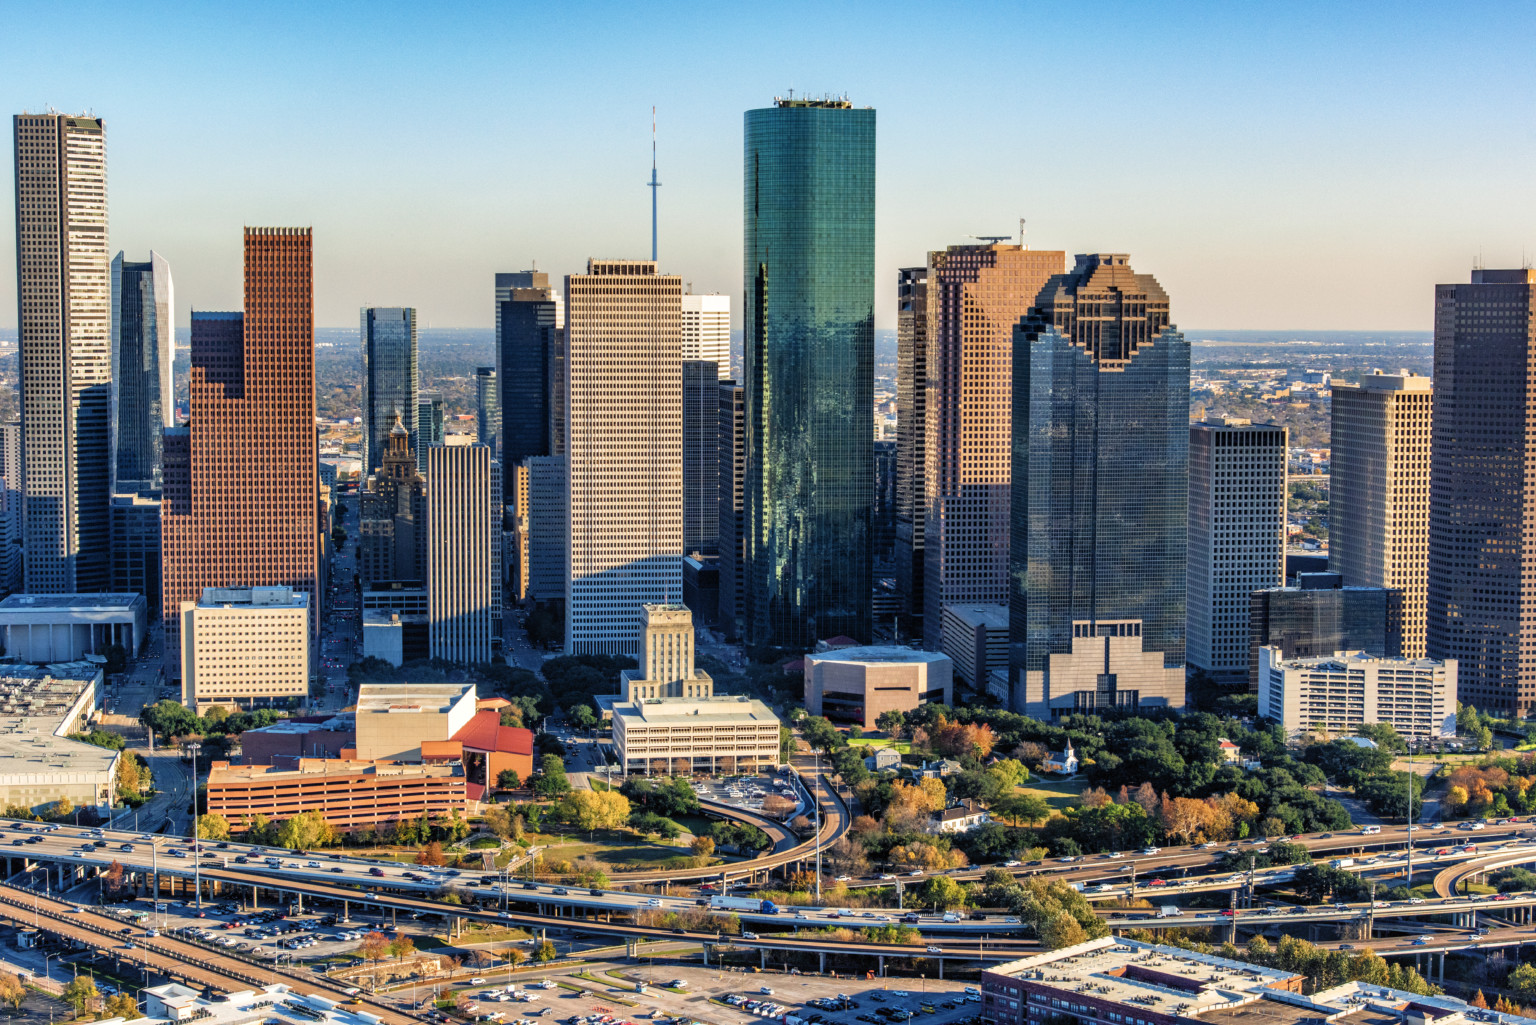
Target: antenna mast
column 653, row 184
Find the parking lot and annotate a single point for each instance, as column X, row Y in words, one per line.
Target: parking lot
column 745, row 792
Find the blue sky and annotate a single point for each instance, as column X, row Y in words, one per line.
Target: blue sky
column 1277, row 166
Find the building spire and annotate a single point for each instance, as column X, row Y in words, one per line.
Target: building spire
column 653, row 184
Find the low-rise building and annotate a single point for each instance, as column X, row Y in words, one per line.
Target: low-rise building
column 975, row 637
column 959, row 818
column 40, row 706
column 1107, row 667
column 245, row 647
column 1063, row 762
column 278, row 1004
column 884, row 759
column 43, row 628
column 859, row 684
column 1340, row 692
column 350, row 794
column 1319, row 616
column 394, row 719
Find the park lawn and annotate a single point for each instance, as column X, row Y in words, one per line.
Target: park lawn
column 1059, row 794
column 487, row 934
column 902, row 747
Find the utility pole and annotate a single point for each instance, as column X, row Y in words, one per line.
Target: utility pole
column 816, row 800
column 1409, row 882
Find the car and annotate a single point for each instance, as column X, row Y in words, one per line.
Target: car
column 1158, row 882
column 594, row 892
column 530, row 886
column 1419, row 941
column 337, row 868
column 1415, row 900
column 1012, row 864
column 844, row 879
column 1069, row 859
column 892, row 875
column 1229, row 912
column 1114, row 854
column 915, row 872
column 1325, row 836
column 1346, row 946
column 935, row 950
column 1148, row 851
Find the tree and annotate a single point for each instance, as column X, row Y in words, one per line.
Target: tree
column 124, row 1006
column 892, row 722
column 1522, row 982
column 517, row 956
column 62, row 809
column 12, row 991
column 551, row 782
column 544, row 952
column 431, row 854
column 1061, row 916
column 81, row 993
column 498, row 819
column 703, row 848
column 590, row 810
column 402, row 947
column 212, row 826
column 507, row 779
column 819, row 732
column 374, row 947
column 942, row 893
column 582, row 717
column 305, row 830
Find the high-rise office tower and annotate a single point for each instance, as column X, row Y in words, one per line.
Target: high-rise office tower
column 1378, row 490
column 1100, row 495
column 625, row 451
column 549, row 526
column 10, row 507
column 731, row 522
column 463, row 565
column 143, row 347
column 64, row 291
column 487, row 415
column 707, row 330
column 392, row 514
column 911, row 436
column 1237, row 501
column 701, row 457
column 1482, row 530
column 526, row 325
column 975, row 296
column 136, row 559
column 241, row 492
column 809, row 282
column 429, row 420
column 389, row 378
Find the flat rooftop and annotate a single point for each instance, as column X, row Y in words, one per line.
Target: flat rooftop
column 37, row 705
column 321, row 768
column 411, row 697
column 721, row 710
column 69, row 602
column 1347, row 660
column 877, row 653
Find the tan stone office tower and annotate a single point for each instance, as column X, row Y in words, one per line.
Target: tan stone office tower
column 625, row 451
column 242, row 489
column 1482, row 501
column 976, row 295
column 1378, row 500
column 64, row 287
column 463, row 551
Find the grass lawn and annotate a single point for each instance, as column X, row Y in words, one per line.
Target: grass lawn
column 626, row 852
column 1057, row 793
column 901, row 746
column 491, row 934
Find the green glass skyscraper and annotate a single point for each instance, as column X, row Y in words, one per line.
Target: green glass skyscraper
column 809, row 283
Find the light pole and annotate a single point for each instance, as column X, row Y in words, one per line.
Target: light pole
column 816, row 800
column 1409, row 781
column 197, row 854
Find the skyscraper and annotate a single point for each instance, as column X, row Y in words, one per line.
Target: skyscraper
column 526, row 324
column 1100, row 495
column 429, row 420
column 701, row 457
column 64, row 291
column 975, row 296
column 1237, row 501
column 10, row 507
column 136, row 559
column 1378, row 491
column 911, row 432
column 389, row 379
column 809, row 283
column 241, row 491
column 1482, row 545
column 143, row 402
column 392, row 514
column 487, row 415
column 625, row 451
column 707, row 330
column 731, row 521
column 463, row 565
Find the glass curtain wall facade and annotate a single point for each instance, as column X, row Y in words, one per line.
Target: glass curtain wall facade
column 1100, row 465
column 809, row 262
column 143, row 405
column 389, row 378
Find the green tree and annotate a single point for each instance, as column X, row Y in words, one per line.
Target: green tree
column 551, row 781
column 818, row 731
column 892, row 722
column 942, row 893
column 170, row 719
column 122, row 1006
column 544, row 952
column 305, row 830
column 582, row 717
column 1060, row 915
column 212, row 826
column 507, row 779
column 80, row 993
column 1522, row 983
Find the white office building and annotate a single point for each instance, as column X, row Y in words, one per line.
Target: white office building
column 245, row 647
column 463, row 552
column 1339, row 692
column 707, row 330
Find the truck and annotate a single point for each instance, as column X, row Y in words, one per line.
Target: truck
column 751, row 904
column 1341, row 862
column 1169, row 911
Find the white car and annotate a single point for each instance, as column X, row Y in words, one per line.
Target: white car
column 915, row 872
column 892, row 875
column 845, row 879
column 1116, row 854
column 1149, row 851
column 1012, row 864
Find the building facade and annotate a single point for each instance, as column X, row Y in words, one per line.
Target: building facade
column 1237, row 505
column 252, row 393
column 527, row 332
column 487, row 410
column 858, row 685
column 1338, row 693
column 463, row 551
column 1378, row 490
column 11, row 491
column 976, row 295
column 245, row 647
column 1100, row 401
column 429, row 420
column 389, row 378
column 808, row 366
column 731, row 521
column 49, row 628
column 64, row 292
column 976, row 640
column 1482, row 499
column 701, row 457
column 392, row 518
column 707, row 331
column 136, row 559
column 1322, row 616
column 911, row 432
column 549, row 525
column 624, row 397
column 348, row 794
column 143, row 349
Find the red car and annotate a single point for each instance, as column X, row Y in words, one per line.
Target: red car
column 1229, row 912
column 1158, row 882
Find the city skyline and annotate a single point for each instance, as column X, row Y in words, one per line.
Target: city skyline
column 1302, row 139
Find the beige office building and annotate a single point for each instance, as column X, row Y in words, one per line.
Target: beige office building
column 624, row 451
column 706, row 331
column 976, row 295
column 1107, row 666
column 64, row 278
column 245, row 647
column 393, row 719
column 1378, row 501
column 1340, row 692
column 858, row 685
column 463, row 552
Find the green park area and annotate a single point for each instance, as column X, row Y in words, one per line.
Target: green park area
column 901, row 746
column 1059, row 794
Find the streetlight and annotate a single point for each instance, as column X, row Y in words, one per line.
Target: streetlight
column 197, row 859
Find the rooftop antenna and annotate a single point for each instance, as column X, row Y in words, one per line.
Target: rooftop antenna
column 654, row 184
column 1021, row 234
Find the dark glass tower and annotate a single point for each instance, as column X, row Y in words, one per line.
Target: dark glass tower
column 701, row 457
column 1100, row 494
column 389, row 378
column 526, row 351
column 809, row 265
column 142, row 402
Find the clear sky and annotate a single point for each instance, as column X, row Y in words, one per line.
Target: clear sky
column 1276, row 165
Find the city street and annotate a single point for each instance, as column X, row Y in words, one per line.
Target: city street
column 341, row 619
